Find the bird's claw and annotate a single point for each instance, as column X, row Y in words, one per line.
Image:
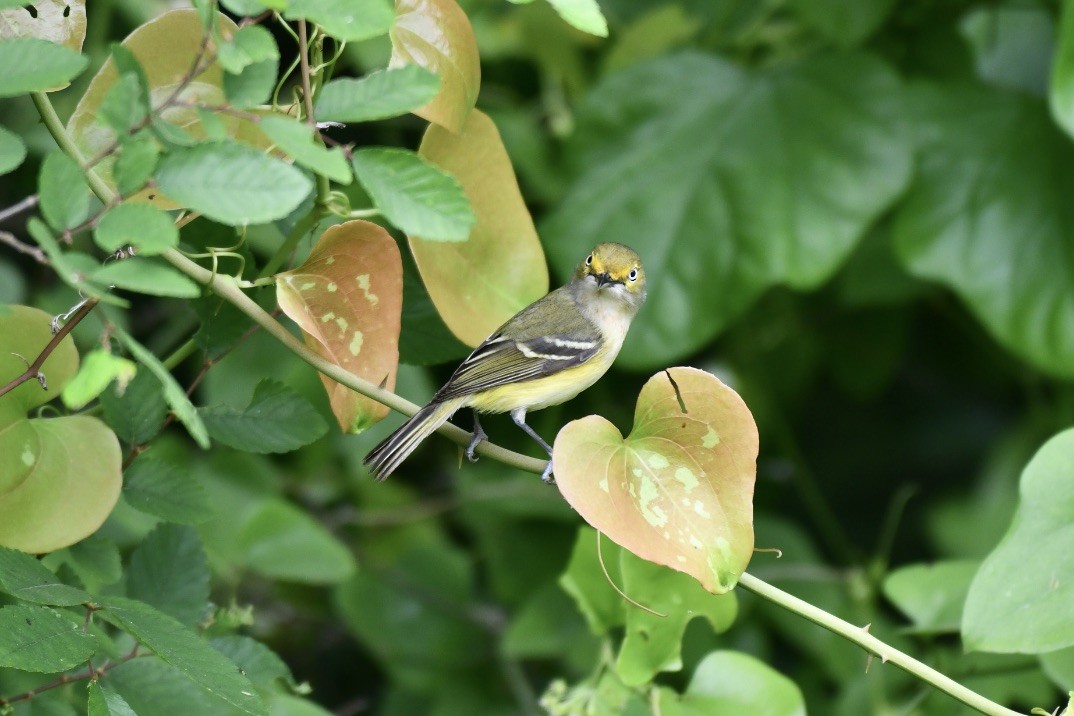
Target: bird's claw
column 546, row 476
column 477, row 439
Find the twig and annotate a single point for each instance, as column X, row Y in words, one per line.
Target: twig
column 34, row 369
column 34, row 252
column 304, row 71
column 65, row 679
column 16, row 209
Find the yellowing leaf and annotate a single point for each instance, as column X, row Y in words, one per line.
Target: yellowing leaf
column 59, row 21
column 166, row 48
column 478, row 284
column 348, row 298
column 59, row 477
column 678, row 490
column 437, row 35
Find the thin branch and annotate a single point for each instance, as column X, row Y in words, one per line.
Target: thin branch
column 227, row 288
column 34, row 252
column 304, row 71
column 871, row 644
column 16, row 209
column 34, row 369
column 64, row 679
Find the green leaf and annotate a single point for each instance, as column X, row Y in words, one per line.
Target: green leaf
column 151, row 276
column 844, row 23
column 70, row 489
column 728, row 683
column 1017, row 601
column 155, row 688
column 232, row 183
column 125, row 104
column 478, row 284
column 346, row 297
column 282, row 542
column 931, row 595
column 347, row 20
column 25, row 331
column 136, row 162
column 169, row 571
column 25, row 578
column 99, row 368
column 747, row 179
column 1061, row 94
column 40, row 639
column 63, row 191
column 297, row 140
column 392, row 614
column 582, row 14
column 12, row 151
column 136, row 413
column 1012, row 45
column 979, row 199
column 253, row 86
column 34, row 65
column 277, row 420
column 71, row 267
column 179, row 646
column 174, row 394
column 260, row 664
column 678, row 490
column 146, row 228
column 158, row 488
column 652, row 643
column 378, row 95
column 104, row 701
column 251, row 45
column 95, row 560
column 414, row 195
column 437, row 35
column 602, row 606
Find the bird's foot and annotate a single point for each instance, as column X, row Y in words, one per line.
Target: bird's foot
column 546, row 476
column 478, row 438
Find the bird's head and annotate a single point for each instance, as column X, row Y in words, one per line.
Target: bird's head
column 615, row 270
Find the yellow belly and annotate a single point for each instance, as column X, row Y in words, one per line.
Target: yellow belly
column 542, row 392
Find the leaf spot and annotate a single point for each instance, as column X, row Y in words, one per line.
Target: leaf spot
column 307, row 285
column 657, row 461
column 28, row 456
column 331, row 287
column 330, row 260
column 328, row 317
column 363, row 283
column 356, row 343
column 687, row 477
column 342, row 323
column 603, row 484
column 710, row 439
column 653, row 514
column 699, row 508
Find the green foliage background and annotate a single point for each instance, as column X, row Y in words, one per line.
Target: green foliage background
column 857, row 213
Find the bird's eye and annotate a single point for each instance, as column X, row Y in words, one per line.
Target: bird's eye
column 589, row 260
column 633, row 275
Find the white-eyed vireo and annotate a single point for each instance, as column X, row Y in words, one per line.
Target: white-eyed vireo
column 547, row 353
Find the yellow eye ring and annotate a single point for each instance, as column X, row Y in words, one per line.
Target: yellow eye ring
column 633, row 275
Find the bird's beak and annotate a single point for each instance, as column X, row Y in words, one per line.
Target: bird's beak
column 603, row 279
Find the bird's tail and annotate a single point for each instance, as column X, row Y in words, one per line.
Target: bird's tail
column 385, row 457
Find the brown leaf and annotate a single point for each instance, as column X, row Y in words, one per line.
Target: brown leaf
column 437, row 35
column 478, row 284
column 678, row 490
column 166, row 47
column 348, row 298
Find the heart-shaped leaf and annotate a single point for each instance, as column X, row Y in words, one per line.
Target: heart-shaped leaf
column 348, row 297
column 678, row 490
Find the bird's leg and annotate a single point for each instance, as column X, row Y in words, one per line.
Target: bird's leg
column 518, row 415
column 479, row 437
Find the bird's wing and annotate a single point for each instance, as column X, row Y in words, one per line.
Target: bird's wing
column 525, row 349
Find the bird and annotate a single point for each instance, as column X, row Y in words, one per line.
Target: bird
column 544, row 355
